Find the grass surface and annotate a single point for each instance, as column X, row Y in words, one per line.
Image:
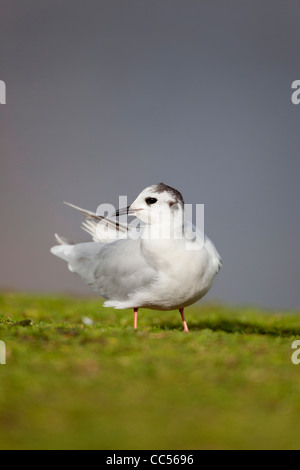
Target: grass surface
column 229, row 384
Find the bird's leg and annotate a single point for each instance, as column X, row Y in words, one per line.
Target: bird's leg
column 135, row 318
column 185, row 327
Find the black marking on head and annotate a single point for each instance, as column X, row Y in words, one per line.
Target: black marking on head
column 174, row 193
column 174, row 206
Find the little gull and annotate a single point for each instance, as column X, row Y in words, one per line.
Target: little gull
column 140, row 267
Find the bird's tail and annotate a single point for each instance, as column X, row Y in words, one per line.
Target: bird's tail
column 62, row 240
column 64, row 248
column 80, row 256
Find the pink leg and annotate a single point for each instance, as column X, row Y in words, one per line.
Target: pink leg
column 185, row 327
column 135, row 318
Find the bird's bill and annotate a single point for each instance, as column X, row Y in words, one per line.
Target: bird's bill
column 124, row 211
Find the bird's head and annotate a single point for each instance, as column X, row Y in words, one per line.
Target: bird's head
column 156, row 204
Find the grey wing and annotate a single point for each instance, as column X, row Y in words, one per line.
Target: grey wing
column 121, row 270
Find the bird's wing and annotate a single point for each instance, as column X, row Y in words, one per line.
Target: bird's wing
column 196, row 238
column 121, row 270
column 116, row 270
column 102, row 229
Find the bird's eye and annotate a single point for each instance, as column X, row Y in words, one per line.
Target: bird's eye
column 150, row 200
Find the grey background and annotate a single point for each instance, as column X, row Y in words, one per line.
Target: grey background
column 106, row 97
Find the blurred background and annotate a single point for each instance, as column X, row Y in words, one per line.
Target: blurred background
column 107, row 97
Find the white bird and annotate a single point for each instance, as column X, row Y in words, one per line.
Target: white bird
column 158, row 266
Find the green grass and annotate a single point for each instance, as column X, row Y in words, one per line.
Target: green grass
column 229, row 384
